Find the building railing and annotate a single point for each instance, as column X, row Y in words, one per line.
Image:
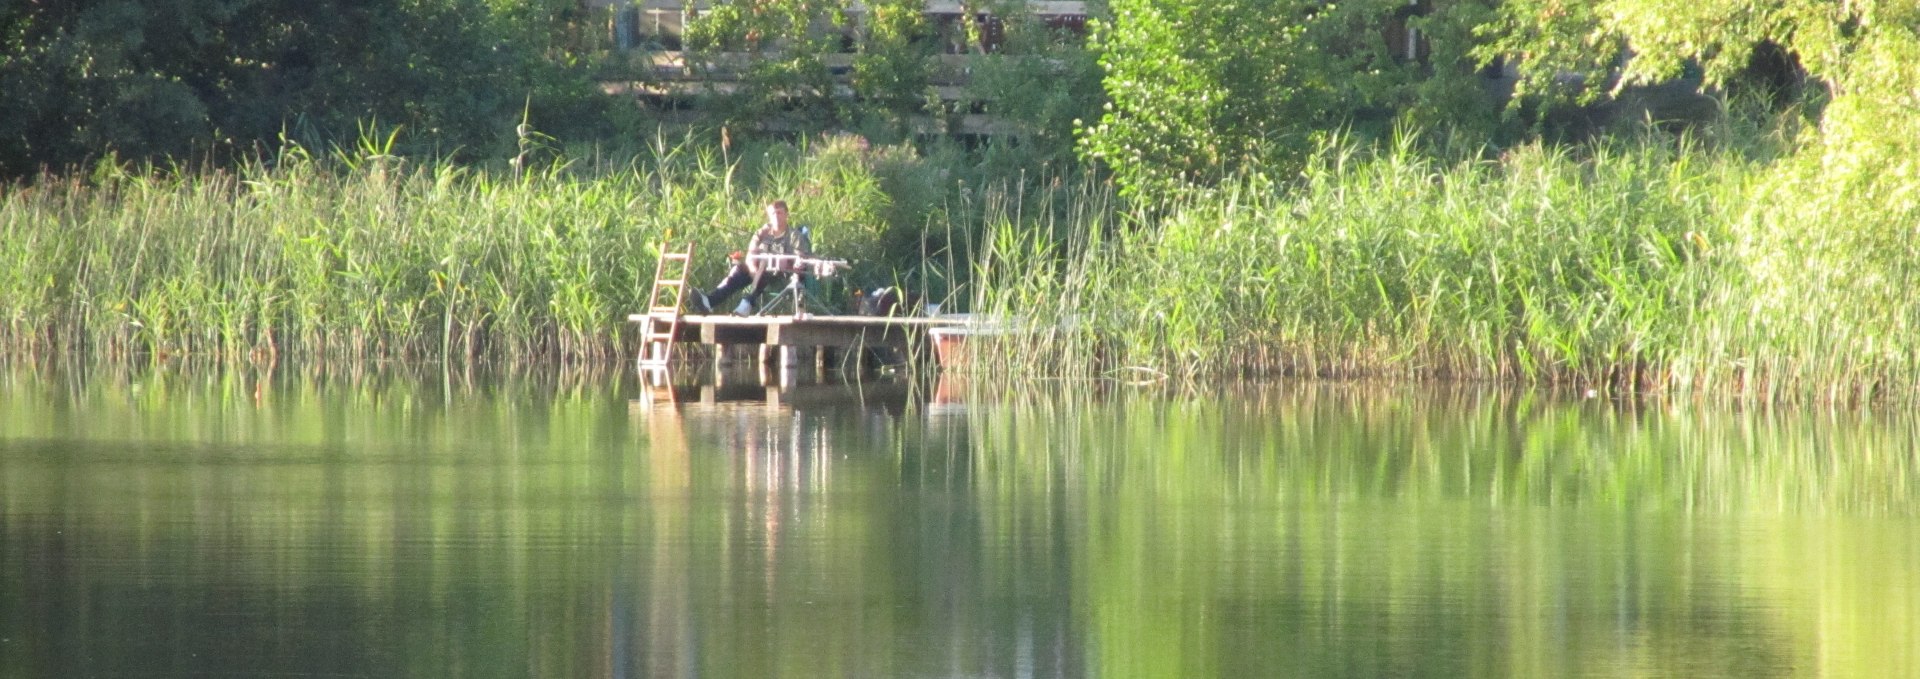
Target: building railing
column 662, row 23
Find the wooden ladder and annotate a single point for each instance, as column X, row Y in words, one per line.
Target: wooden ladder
column 662, row 322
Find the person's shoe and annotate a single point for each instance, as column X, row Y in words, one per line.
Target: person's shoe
column 700, row 303
column 744, row 309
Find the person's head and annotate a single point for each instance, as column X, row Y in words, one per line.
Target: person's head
column 777, row 215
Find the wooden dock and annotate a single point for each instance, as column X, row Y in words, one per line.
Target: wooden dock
column 904, row 333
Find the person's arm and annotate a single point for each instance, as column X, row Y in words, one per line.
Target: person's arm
column 755, row 247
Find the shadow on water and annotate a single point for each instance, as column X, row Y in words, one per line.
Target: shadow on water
column 415, row 522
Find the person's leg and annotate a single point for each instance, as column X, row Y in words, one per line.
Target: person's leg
column 765, row 280
column 737, row 278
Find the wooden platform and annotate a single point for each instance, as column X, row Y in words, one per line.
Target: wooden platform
column 901, row 332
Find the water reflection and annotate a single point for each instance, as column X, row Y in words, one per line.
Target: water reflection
column 252, row 523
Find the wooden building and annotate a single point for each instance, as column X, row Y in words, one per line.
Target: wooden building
column 662, row 23
column 672, row 79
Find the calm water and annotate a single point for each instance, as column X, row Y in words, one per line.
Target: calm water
column 242, row 525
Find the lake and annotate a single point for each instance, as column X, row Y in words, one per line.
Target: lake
column 254, row 523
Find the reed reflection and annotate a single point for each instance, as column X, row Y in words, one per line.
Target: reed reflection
column 242, row 524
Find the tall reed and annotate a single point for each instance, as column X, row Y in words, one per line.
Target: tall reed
column 1657, row 264
column 369, row 256
column 1534, row 265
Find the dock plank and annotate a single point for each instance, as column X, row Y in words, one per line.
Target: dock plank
column 815, row 331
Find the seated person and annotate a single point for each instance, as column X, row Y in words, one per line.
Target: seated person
column 773, row 238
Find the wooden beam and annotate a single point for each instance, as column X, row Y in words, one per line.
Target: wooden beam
column 1039, row 7
column 693, row 88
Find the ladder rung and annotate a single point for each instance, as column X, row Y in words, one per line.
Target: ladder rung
column 663, row 321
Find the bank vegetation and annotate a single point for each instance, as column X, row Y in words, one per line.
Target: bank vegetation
column 1457, row 212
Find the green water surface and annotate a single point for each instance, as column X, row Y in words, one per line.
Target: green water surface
column 260, row 524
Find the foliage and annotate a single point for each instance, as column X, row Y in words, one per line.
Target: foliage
column 1649, row 41
column 1200, row 89
column 1044, row 118
column 1859, row 53
column 876, row 68
column 1835, row 215
column 892, row 71
column 779, row 51
column 149, row 80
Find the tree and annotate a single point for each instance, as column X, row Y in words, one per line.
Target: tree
column 1200, row 89
column 170, row 78
column 891, row 72
column 1828, row 241
column 776, row 51
column 1861, row 53
column 1043, row 119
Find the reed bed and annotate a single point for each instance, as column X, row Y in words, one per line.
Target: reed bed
column 1656, row 265
column 369, row 257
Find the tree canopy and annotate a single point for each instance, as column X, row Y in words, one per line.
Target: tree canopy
column 1198, row 89
column 1193, row 90
column 1202, row 88
column 1859, row 55
column 174, row 78
column 1653, row 40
